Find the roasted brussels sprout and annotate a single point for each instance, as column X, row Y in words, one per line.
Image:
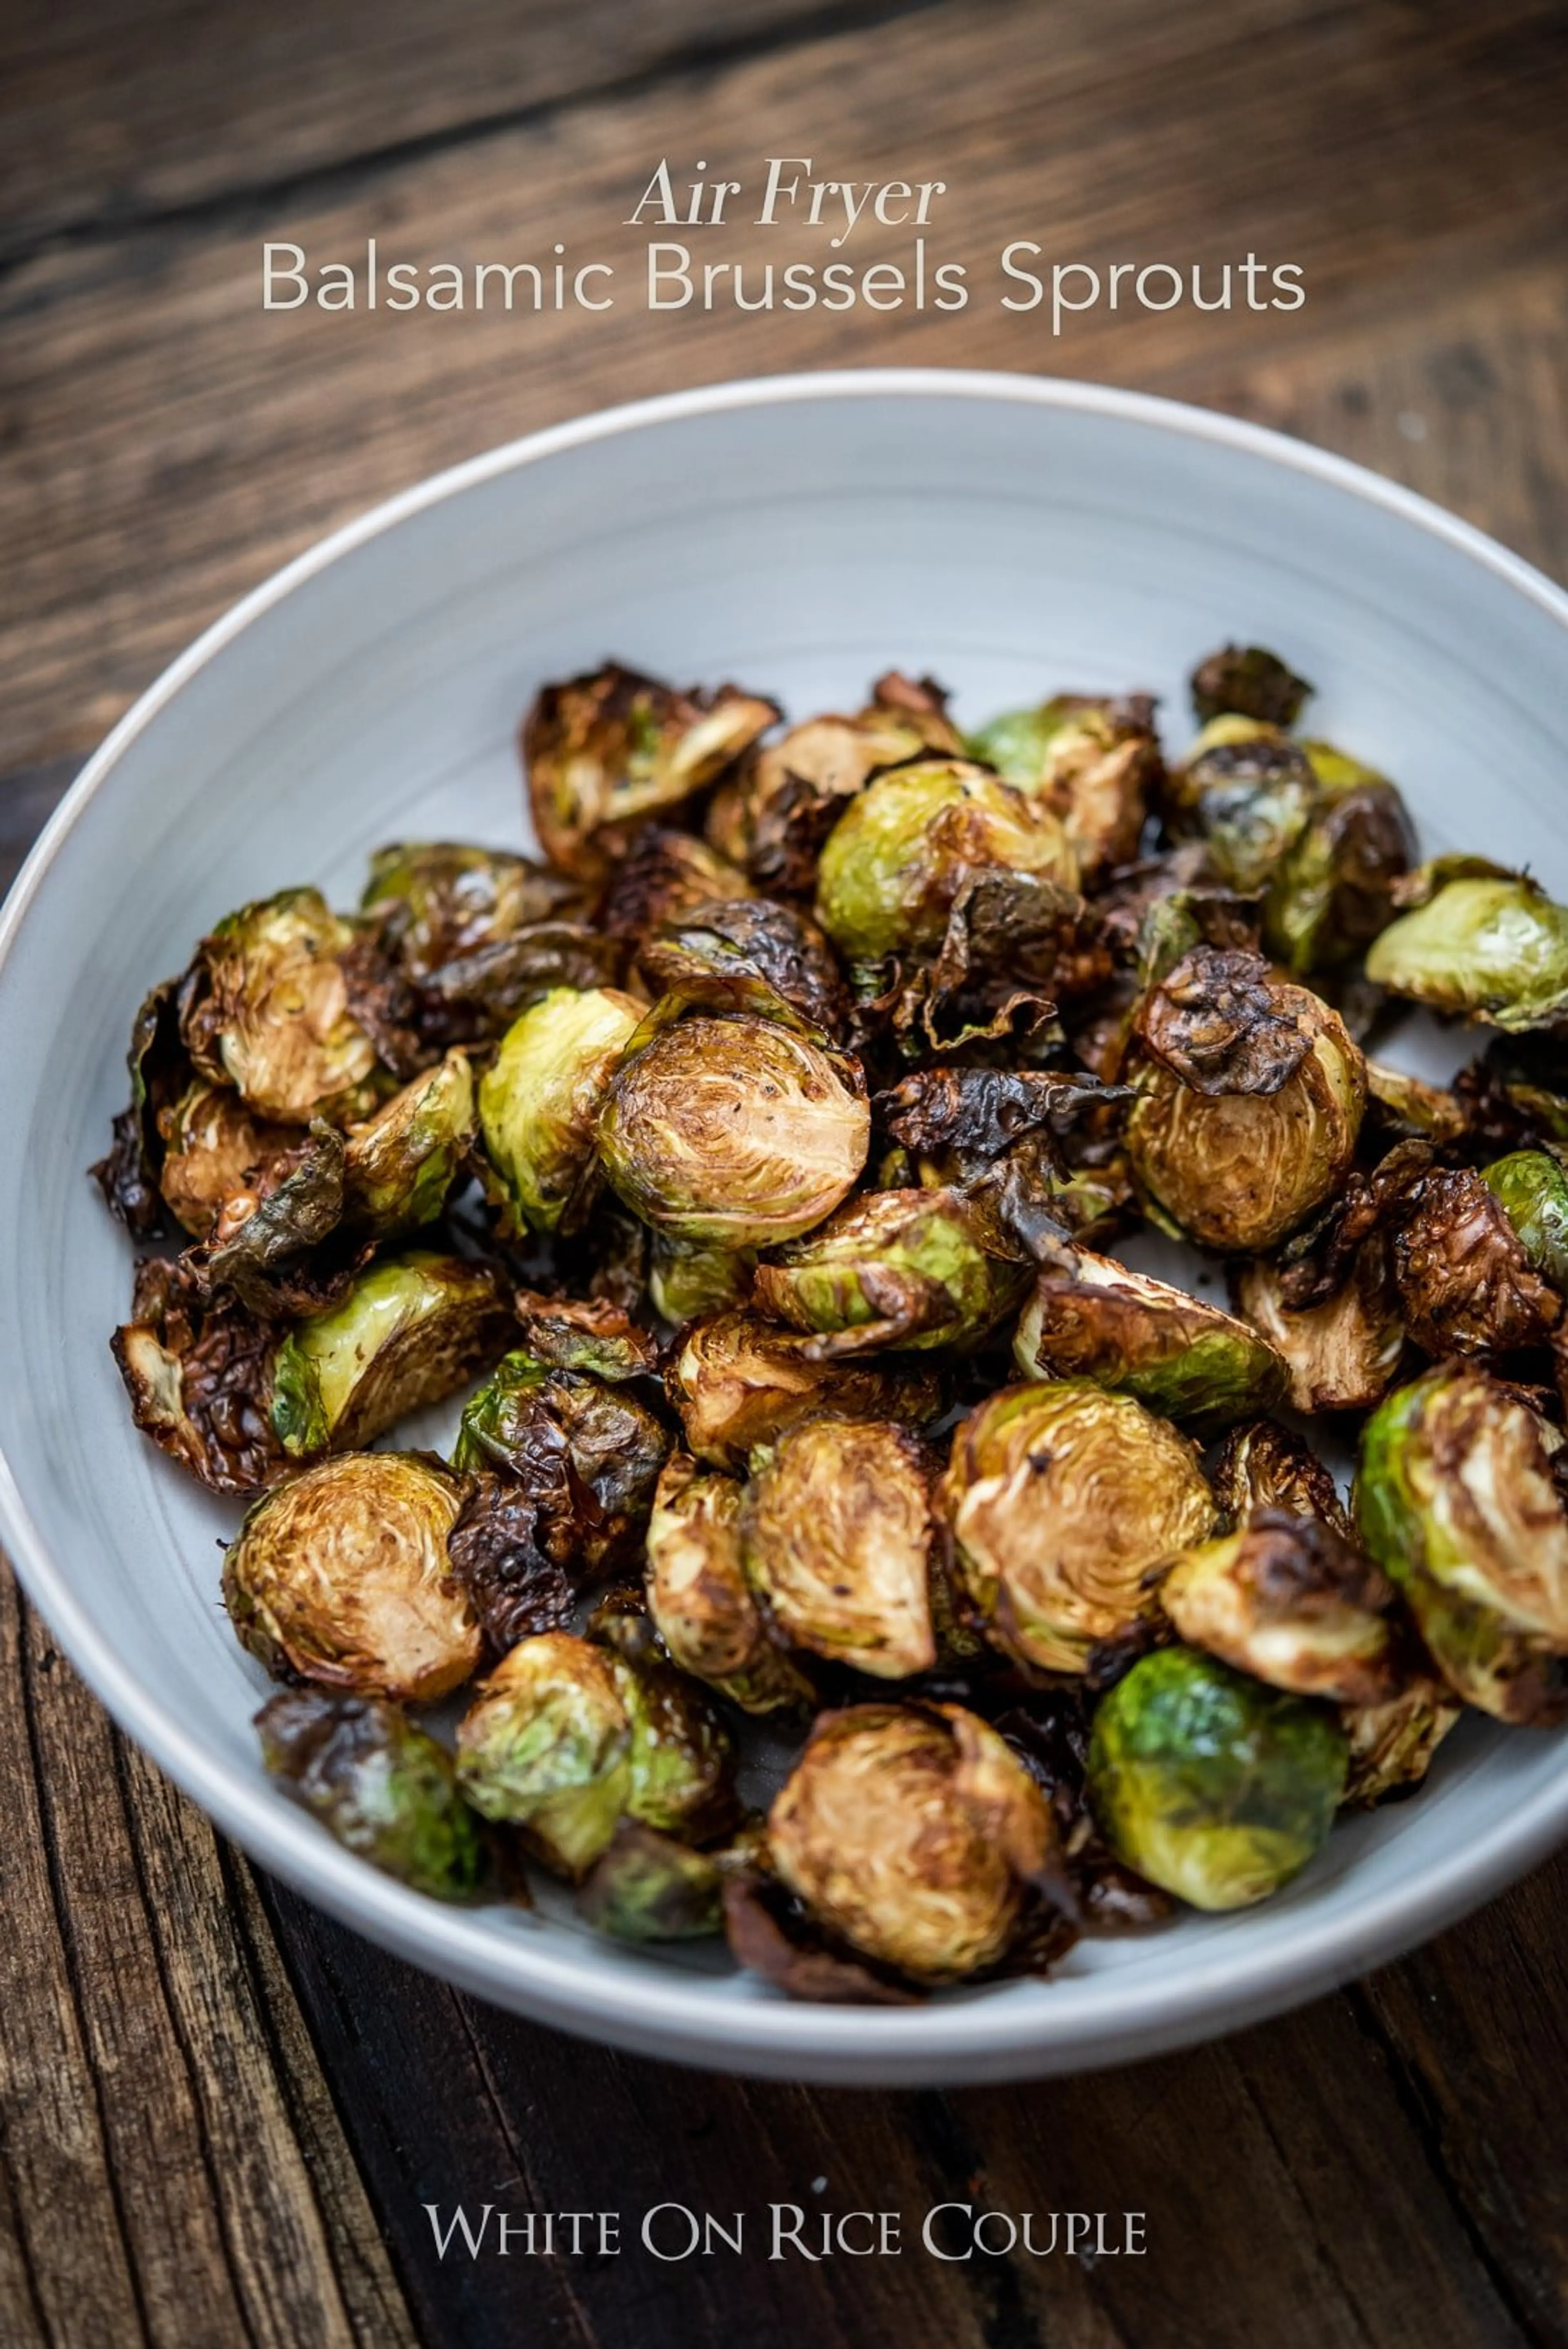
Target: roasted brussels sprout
column 734, row 1132
column 593, row 1334
column 698, row 1596
column 1409, row 1109
column 1490, row 944
column 565, row 1739
column 409, row 1331
column 399, row 1166
column 1090, row 1318
column 737, row 1382
column 1342, row 1353
column 1060, row 1498
column 1248, row 792
column 750, row 954
column 606, row 751
column 440, row 903
column 1465, row 1279
column 1249, row 682
column 540, row 1097
column 899, row 853
column 590, row 1450
column 266, row 1008
column 838, row 1534
column 1457, row 1500
column 1262, row 1465
column 383, row 1787
column 664, row 877
column 1532, row 1188
column 341, row 1577
column 1091, row 761
column 1332, row 890
column 198, row 1369
column 1250, row 1098
column 215, row 1148
column 1210, row 1784
column 911, row 1268
column 1392, row 1743
column 914, row 1834
column 1288, row 1600
column 685, row 1280
column 647, row 1886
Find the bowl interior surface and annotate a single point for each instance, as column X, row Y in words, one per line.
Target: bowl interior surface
column 1012, row 539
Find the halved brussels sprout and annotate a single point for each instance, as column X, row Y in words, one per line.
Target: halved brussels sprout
column 664, row 877
column 215, row 1148
column 737, row 1382
column 593, row 1335
column 1457, row 1500
column 685, row 1280
column 1409, row 1108
column 1210, row 1784
column 398, row 1167
column 1332, row 890
column 1464, row 1277
column 1090, row 1318
column 733, row 1133
column 341, row 1576
column 1250, row 1099
column 898, row 855
column 1248, row 792
column 1249, row 682
column 409, row 1331
column 750, row 954
column 541, row 1095
column 1060, row 1498
column 1092, row 762
column 198, row 1368
column 383, row 1787
column 442, row 902
column 838, row 1534
column 909, row 1269
column 1262, row 1466
column 266, row 1008
column 565, row 1739
column 1341, row 1354
column 647, row 1886
column 606, row 750
column 698, row 1596
column 591, row 1451
column 1286, row 1599
column 1392, row 1743
column 1490, row 944
column 1532, row 1188
column 916, row 1835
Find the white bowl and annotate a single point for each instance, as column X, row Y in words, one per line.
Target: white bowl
column 800, row 535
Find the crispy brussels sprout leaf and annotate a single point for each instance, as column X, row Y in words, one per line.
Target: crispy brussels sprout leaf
column 198, row 1369
column 399, row 1166
column 594, row 1335
column 340, row 1577
column 384, row 1789
column 647, row 1886
column 1465, row 1280
column 590, row 1451
column 1409, row 1109
column 1494, row 946
column 737, row 1383
column 748, row 954
column 1288, row 1600
column 1210, row 1784
column 1515, row 1095
column 509, row 1548
column 1392, row 1744
column 909, row 1268
column 963, row 1119
column 409, row 1331
column 1015, row 945
column 1457, row 1500
column 266, row 1244
column 698, row 1596
column 541, row 1095
column 1262, row 1466
column 665, row 876
column 1090, row 1318
column 161, row 1074
column 265, row 1008
column 1343, row 1354
column 1060, row 1498
column 1248, row 681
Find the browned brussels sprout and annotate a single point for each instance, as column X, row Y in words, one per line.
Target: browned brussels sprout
column 738, row 1383
column 266, row 1008
column 215, row 1148
column 1250, row 1098
column 647, row 1887
column 160, row 1074
column 1465, row 1279
column 957, row 1122
column 1248, row 792
column 1332, row 890
column 593, row 1334
column 384, row 1789
column 914, row 1834
column 750, row 954
column 1288, row 1600
column 1090, row 1318
column 1344, row 1352
column 341, row 1577
column 1062, row 1497
column 408, row 1332
column 398, row 1167
column 1248, row 681
column 198, row 1368
column 1409, row 1109
column 909, row 1269
column 1210, row 1784
column 604, row 752
column 1092, row 762
column 1392, row 1743
column 1457, row 1499
column 442, row 902
column 540, row 1097
column 1531, row 1187
column 1490, row 944
column 699, row 1598
column 664, row 877
column 1262, row 1465
column 566, row 1738
column 838, row 1535
column 733, row 1133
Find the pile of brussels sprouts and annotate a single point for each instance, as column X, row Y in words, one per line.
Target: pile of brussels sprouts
column 754, row 1165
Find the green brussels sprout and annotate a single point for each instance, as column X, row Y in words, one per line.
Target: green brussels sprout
column 1332, row 890
column 1410, row 1109
column 899, row 853
column 1091, row 761
column 1492, row 945
column 1262, row 1466
column 408, row 1332
column 1249, row 1095
column 700, row 1599
column 399, row 1166
column 732, row 1133
column 267, row 1008
column 737, row 1382
column 1465, row 1279
column 590, row 1450
column 1288, row 1600
column 1392, row 1743
column 215, row 1150
column 341, row 1577
column 1248, row 792
column 685, row 1280
column 750, row 954
column 915, row 1835
column 539, row 1098
column 1090, row 1318
column 442, row 902
column 565, row 1739
column 384, row 1789
column 1456, row 1499
column 596, row 1336
column 1214, row 1786
column 1061, row 1498
column 1532, row 1188
column 604, row 752
column 1343, row 1354
column 911, row 1269
column 1248, row 682
column 647, row 1886
column 838, row 1534
column 665, row 876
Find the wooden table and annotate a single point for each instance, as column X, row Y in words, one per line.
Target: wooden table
column 222, row 2112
